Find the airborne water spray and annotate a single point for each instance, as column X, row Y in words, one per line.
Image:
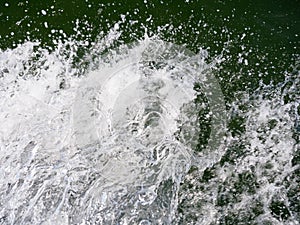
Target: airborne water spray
column 94, row 130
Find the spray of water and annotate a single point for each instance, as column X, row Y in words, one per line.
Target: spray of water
column 119, row 141
column 108, row 147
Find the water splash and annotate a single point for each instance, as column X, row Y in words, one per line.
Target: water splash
column 257, row 178
column 111, row 146
column 131, row 112
column 114, row 139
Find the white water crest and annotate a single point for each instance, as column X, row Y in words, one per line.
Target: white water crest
column 119, row 143
column 108, row 147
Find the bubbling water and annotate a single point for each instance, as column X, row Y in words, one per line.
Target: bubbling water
column 108, row 147
column 122, row 142
column 128, row 114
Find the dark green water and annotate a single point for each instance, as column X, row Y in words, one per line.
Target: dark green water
column 271, row 30
column 258, row 42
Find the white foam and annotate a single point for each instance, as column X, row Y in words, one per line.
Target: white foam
column 117, row 123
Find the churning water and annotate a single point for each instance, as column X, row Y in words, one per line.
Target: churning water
column 142, row 135
column 99, row 147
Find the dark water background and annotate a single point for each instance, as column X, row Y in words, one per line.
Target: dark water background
column 271, row 30
column 259, row 41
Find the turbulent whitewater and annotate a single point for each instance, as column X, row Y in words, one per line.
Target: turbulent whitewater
column 141, row 134
column 109, row 146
